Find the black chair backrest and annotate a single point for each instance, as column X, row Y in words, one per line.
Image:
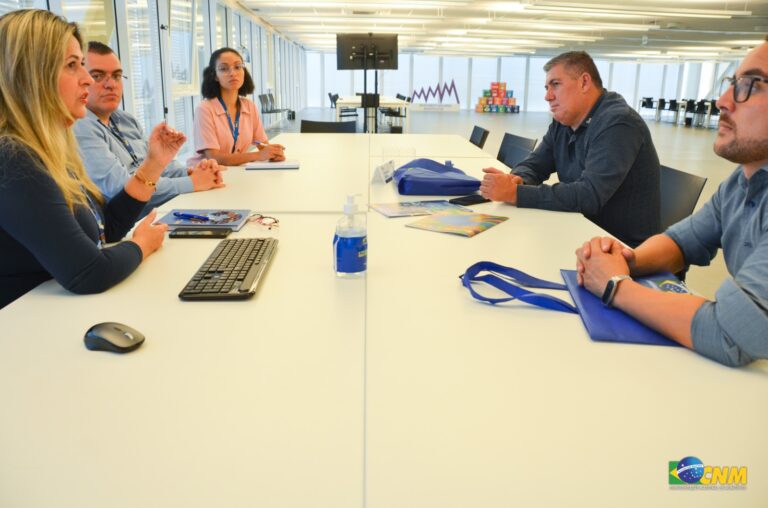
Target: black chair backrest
column 701, row 107
column 271, row 99
column 647, row 102
column 512, row 147
column 400, row 96
column 673, row 104
column 680, row 192
column 313, row 126
column 264, row 104
column 514, row 155
column 661, row 104
column 690, row 106
column 478, row 136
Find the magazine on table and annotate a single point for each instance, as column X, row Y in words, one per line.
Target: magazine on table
column 415, row 208
column 206, row 218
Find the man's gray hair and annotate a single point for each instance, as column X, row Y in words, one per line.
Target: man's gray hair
column 577, row 62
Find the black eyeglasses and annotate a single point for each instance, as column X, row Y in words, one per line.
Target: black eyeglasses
column 116, row 76
column 742, row 86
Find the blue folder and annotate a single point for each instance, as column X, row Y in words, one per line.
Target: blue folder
column 607, row 324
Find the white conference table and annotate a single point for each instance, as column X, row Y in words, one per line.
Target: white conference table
column 237, row 404
column 331, row 166
column 394, row 390
column 384, row 102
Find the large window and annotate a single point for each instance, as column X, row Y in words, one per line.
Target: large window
column 183, row 43
column 650, row 81
column 396, row 81
column 623, row 81
column 426, row 75
column 221, row 26
column 707, row 86
column 235, row 29
column 95, row 17
column 536, row 80
column 671, row 83
column 265, row 64
column 483, row 74
column 11, row 5
column 316, row 95
column 456, row 70
column 187, row 58
column 513, row 74
column 603, row 68
column 144, row 69
column 336, row 81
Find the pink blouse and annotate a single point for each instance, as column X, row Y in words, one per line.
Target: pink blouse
column 212, row 130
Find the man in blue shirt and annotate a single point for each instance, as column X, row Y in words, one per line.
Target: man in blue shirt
column 112, row 143
column 732, row 330
column 601, row 150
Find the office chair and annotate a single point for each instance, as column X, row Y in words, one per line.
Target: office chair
column 478, row 136
column 313, row 126
column 680, row 192
column 514, row 149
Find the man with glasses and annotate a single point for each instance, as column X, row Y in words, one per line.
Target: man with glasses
column 732, row 330
column 112, row 143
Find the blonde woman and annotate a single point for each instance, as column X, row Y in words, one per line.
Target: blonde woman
column 54, row 222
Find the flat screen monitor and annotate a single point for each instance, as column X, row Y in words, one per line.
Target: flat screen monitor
column 366, row 51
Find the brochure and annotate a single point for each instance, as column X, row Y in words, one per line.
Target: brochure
column 414, row 208
column 206, row 218
column 464, row 224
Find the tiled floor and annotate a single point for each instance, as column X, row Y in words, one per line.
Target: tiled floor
column 685, row 148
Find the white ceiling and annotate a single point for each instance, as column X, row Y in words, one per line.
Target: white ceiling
column 647, row 30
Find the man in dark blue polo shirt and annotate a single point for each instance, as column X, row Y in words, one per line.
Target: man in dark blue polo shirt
column 600, row 149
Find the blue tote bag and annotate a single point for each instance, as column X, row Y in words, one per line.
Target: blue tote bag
column 431, row 178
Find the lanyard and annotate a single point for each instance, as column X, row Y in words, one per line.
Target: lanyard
column 234, row 129
column 119, row 136
column 99, row 221
column 509, row 280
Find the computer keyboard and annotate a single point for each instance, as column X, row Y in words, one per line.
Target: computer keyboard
column 232, row 271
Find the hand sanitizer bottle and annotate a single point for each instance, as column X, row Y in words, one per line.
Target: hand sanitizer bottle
column 350, row 243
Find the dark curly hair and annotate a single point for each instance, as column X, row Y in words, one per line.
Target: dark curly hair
column 211, row 88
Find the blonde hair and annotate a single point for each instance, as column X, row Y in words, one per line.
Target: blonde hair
column 32, row 112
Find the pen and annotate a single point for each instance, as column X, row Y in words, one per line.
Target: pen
column 189, row 216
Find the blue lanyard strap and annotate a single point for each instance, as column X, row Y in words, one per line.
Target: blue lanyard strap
column 509, row 280
column 99, row 221
column 119, row 135
column 234, row 129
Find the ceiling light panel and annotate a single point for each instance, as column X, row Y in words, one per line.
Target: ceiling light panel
column 701, row 27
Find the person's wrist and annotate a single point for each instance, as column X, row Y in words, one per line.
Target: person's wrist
column 611, row 288
column 143, row 179
column 512, row 197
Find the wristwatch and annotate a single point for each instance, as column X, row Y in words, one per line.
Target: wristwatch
column 612, row 287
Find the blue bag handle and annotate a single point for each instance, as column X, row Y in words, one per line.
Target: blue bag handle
column 516, row 278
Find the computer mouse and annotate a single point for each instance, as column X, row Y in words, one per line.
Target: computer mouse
column 114, row 337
